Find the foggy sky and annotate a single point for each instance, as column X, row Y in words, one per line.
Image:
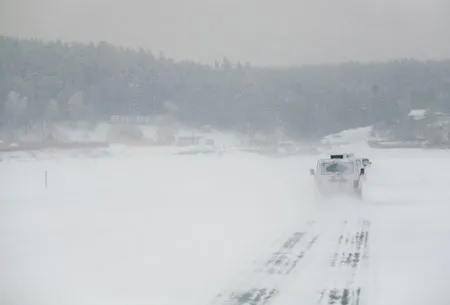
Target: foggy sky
column 263, row 32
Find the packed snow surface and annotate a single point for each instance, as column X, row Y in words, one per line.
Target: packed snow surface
column 145, row 226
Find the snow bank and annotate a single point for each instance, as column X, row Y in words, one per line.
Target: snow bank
column 350, row 136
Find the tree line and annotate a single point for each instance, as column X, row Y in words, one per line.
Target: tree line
column 43, row 81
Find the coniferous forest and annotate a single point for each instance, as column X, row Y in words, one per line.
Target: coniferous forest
column 58, row 81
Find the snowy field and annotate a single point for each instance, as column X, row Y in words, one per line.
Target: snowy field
column 147, row 227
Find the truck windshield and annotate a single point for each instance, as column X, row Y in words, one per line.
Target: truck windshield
column 334, row 167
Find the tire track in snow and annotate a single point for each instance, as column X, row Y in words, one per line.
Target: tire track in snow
column 347, row 273
column 334, row 254
column 265, row 287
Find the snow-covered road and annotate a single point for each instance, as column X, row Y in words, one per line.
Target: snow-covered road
column 145, row 227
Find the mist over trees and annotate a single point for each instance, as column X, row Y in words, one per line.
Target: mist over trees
column 55, row 81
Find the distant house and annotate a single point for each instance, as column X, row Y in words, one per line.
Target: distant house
column 426, row 114
column 126, row 119
column 425, row 125
column 418, row 114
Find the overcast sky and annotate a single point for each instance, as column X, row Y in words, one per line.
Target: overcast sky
column 263, row 32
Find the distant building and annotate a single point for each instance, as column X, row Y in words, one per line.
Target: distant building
column 418, row 114
column 425, row 125
column 127, row 119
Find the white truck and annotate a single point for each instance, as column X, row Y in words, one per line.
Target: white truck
column 339, row 174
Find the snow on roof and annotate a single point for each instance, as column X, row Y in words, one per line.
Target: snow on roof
column 418, row 114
